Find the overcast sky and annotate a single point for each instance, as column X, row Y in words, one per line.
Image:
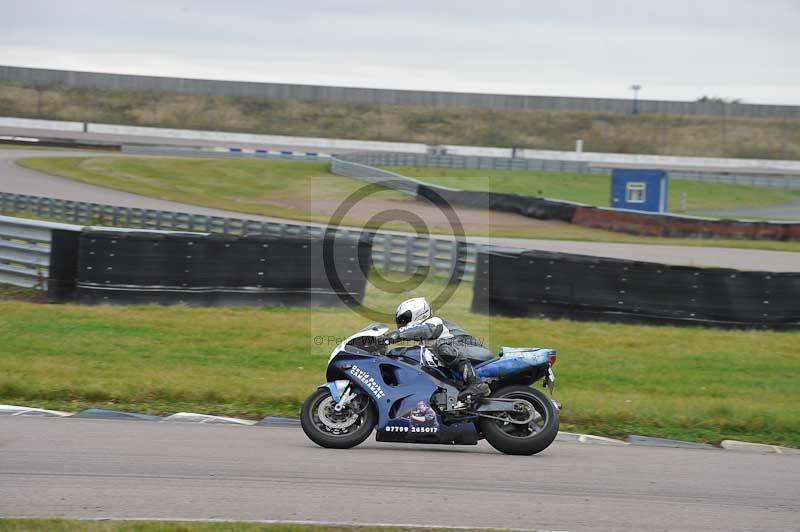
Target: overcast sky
column 676, row 49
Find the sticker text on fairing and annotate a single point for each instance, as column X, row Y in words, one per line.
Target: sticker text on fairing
column 367, row 381
column 396, row 428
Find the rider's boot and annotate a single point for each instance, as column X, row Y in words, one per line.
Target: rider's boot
column 474, row 388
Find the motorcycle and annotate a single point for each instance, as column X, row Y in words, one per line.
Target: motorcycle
column 409, row 398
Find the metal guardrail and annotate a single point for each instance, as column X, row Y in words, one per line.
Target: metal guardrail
column 777, row 181
column 25, row 243
column 479, row 162
column 787, row 182
column 25, row 251
column 362, row 166
column 351, row 166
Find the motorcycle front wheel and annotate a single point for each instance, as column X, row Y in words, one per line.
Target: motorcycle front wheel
column 327, row 427
column 528, row 438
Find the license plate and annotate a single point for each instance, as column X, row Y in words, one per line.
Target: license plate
column 550, row 380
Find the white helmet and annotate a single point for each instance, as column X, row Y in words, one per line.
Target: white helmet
column 412, row 310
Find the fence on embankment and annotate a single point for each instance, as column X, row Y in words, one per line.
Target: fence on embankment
column 318, row 93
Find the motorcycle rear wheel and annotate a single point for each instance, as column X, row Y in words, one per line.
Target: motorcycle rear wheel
column 336, row 430
column 531, row 438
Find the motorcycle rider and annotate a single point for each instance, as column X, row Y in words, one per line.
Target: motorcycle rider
column 452, row 346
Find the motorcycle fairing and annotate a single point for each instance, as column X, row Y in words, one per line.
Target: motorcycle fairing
column 408, row 385
column 513, row 361
column 463, row 433
column 394, row 400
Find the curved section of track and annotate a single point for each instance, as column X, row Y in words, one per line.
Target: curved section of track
column 16, row 179
column 125, row 469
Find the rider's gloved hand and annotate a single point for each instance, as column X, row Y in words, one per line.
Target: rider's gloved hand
column 393, row 337
column 382, row 340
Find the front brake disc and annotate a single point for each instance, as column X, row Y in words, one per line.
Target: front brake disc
column 332, row 419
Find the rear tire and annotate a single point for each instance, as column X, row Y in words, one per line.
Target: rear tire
column 332, row 438
column 528, row 439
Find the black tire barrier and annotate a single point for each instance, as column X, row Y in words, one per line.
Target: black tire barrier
column 63, row 267
column 539, row 208
column 135, row 267
column 579, row 287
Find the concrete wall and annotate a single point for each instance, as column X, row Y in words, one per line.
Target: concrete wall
column 386, row 96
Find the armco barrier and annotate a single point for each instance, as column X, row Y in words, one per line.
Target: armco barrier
column 344, row 166
column 122, row 266
column 25, row 251
column 747, row 177
column 578, row 287
column 427, row 160
column 744, row 178
column 390, row 251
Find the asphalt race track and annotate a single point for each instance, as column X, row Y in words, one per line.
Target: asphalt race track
column 79, row 468
column 789, row 211
column 20, row 180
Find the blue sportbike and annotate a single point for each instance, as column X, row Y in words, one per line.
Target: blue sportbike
column 409, row 398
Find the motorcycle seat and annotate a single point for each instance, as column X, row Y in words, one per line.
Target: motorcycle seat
column 515, row 350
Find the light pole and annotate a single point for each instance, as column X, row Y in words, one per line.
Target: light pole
column 636, row 88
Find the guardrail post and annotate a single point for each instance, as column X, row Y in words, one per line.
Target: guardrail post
column 409, row 258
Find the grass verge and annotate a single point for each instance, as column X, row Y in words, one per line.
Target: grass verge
column 17, row 293
column 246, row 185
column 295, row 190
column 688, row 383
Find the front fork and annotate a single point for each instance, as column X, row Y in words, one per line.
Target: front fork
column 341, row 393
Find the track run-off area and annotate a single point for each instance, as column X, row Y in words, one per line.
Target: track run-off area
column 82, row 468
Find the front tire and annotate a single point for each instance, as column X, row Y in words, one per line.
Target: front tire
column 532, row 438
column 337, row 430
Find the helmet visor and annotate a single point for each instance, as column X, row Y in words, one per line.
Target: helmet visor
column 403, row 318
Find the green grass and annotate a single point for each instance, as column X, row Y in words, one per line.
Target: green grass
column 687, row 383
column 265, row 187
column 65, row 525
column 772, row 138
column 595, row 189
column 29, row 146
column 248, row 186
column 16, row 293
